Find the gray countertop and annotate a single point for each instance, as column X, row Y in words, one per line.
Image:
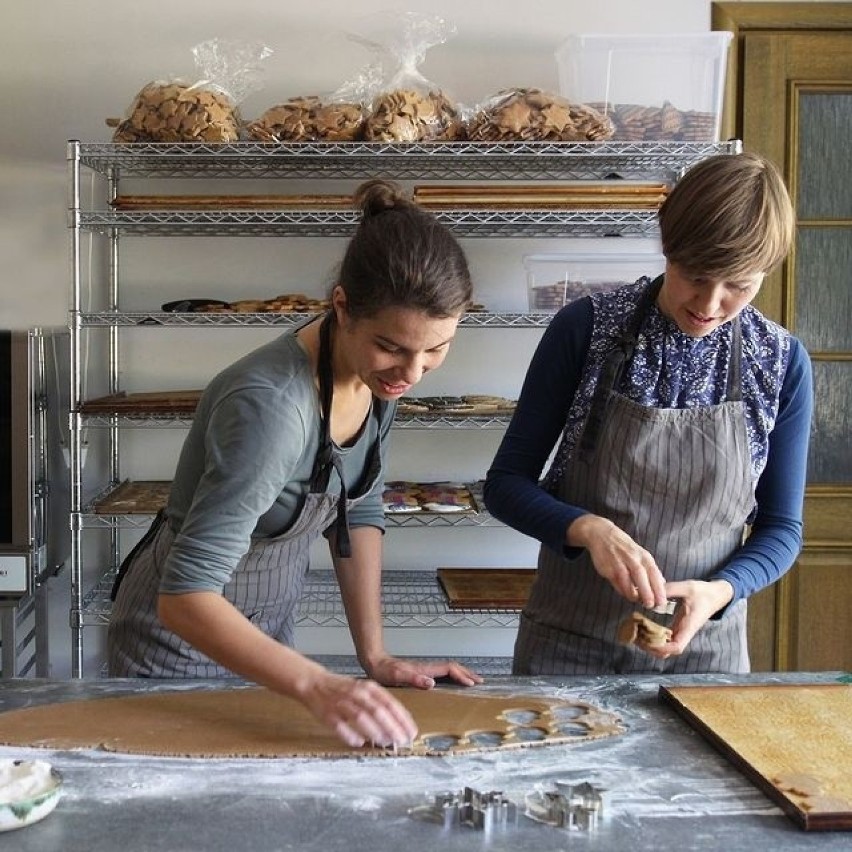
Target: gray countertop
column 669, row 788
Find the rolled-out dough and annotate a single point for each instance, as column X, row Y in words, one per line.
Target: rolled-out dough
column 255, row 722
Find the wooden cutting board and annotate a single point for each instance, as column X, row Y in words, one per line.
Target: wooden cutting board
column 793, row 740
column 486, row 588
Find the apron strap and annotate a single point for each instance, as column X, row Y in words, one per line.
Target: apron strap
column 159, row 520
column 328, row 458
column 613, row 369
column 734, row 389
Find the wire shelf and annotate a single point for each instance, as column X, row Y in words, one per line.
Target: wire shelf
column 448, row 160
column 409, row 599
column 166, row 420
column 89, row 518
column 140, row 420
column 110, row 319
column 342, row 223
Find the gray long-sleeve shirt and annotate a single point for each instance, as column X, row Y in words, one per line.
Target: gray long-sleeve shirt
column 246, row 465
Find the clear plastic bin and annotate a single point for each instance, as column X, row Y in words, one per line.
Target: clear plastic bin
column 666, row 87
column 554, row 280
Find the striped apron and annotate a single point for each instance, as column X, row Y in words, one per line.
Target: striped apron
column 679, row 482
column 266, row 585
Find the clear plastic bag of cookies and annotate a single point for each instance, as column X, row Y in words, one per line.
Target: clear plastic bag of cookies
column 308, row 118
column 534, row 115
column 204, row 110
column 336, row 117
column 409, row 107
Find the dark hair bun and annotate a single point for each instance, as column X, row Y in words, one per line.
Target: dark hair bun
column 377, row 195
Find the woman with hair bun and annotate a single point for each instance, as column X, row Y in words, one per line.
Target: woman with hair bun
column 289, row 443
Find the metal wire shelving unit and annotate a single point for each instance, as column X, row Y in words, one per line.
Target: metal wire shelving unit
column 113, row 163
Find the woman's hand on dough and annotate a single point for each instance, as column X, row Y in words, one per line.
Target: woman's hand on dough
column 630, row 569
column 698, row 601
column 393, row 671
column 359, row 711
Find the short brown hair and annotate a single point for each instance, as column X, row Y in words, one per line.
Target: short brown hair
column 728, row 216
column 402, row 256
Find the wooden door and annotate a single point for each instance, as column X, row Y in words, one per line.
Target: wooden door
column 789, row 96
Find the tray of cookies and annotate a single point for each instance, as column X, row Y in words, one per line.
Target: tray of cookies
column 403, row 496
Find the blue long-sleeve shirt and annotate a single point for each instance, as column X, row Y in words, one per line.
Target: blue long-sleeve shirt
column 778, row 413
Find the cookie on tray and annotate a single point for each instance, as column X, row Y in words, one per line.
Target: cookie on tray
column 446, row 497
column 400, row 496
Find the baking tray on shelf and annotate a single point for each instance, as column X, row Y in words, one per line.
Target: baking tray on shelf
column 486, row 588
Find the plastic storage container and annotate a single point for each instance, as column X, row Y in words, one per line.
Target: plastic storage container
column 666, row 87
column 554, row 280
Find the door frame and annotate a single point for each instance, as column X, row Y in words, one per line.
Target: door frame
column 825, row 505
column 739, row 18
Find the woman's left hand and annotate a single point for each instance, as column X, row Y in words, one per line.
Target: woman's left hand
column 698, row 601
column 392, row 671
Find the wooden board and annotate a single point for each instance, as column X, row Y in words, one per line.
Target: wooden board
column 486, row 588
column 230, row 202
column 173, row 402
column 610, row 194
column 794, row 741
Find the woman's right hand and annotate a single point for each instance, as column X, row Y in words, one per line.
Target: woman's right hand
column 629, row 568
column 359, row 711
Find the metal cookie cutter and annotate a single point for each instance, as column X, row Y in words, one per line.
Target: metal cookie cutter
column 572, row 806
column 470, row 809
column 664, row 612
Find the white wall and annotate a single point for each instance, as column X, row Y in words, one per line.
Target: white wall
column 65, row 67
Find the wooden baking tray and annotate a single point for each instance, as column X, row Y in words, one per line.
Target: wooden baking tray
column 486, row 588
column 231, row 202
column 174, row 402
column 612, row 194
column 134, row 498
column 793, row 740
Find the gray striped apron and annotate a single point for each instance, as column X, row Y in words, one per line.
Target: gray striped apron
column 679, row 482
column 266, row 585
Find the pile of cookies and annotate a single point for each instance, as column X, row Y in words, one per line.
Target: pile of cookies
column 173, row 112
column 406, row 115
column 402, row 496
column 551, row 297
column 285, row 303
column 177, row 112
column 467, row 405
column 308, row 119
column 533, row 115
column 638, row 123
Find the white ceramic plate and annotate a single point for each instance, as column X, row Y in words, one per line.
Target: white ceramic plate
column 36, row 789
